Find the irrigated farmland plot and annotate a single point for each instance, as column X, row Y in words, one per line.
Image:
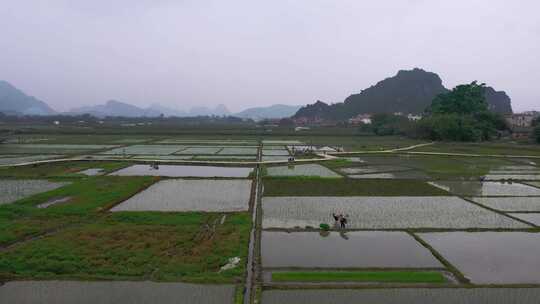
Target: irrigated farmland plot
column 200, row 150
column 25, row 159
column 491, row 257
column 274, row 152
column 145, row 150
column 163, row 157
column 533, row 177
column 238, row 151
column 14, row 190
column 360, row 249
column 404, row 296
column 510, row 203
column 487, row 188
column 68, row 292
column 373, row 169
column 392, row 175
column 533, row 218
column 274, row 158
column 191, row 195
column 302, row 170
column 281, row 142
column 183, row 171
column 50, row 148
column 382, row 212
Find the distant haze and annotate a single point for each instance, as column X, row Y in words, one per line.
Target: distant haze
column 249, row 53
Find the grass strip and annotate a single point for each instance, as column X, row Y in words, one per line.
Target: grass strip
column 360, row 276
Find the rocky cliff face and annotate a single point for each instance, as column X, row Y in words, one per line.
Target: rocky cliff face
column 407, row 92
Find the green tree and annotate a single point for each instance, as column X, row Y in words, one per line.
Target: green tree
column 536, row 133
column 463, row 99
column 461, row 115
column 389, row 124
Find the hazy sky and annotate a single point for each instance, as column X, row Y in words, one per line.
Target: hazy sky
column 251, row 53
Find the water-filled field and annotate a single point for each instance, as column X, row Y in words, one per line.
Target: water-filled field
column 163, row 157
column 68, row 292
column 533, row 218
column 274, row 158
column 495, row 177
column 225, row 157
column 302, row 170
column 200, row 150
column 191, row 195
column 382, row 212
column 195, row 141
column 359, row 249
column 13, row 190
column 510, row 203
column 183, row 171
column 491, row 257
column 145, row 150
column 486, row 188
column 404, row 296
column 392, row 175
column 275, row 152
column 281, row 142
column 91, row 171
column 238, row 151
column 25, row 159
column 50, row 148
column 373, row 169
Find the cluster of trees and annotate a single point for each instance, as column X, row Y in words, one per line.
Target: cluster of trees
column 536, row 130
column 461, row 114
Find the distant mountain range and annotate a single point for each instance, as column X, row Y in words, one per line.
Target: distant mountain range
column 14, row 101
column 272, row 112
column 408, row 92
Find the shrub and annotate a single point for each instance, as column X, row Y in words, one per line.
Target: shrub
column 324, row 226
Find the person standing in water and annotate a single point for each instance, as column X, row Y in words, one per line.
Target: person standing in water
column 343, row 222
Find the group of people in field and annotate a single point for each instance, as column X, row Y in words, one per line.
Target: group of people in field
column 340, row 220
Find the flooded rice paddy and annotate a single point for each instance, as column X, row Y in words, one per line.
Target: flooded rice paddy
column 275, row 152
column 274, row 158
column 145, row 150
column 533, row 177
column 69, row 292
column 191, row 195
column 200, row 150
column 373, row 169
column 486, row 188
column 24, row 159
column 510, row 203
column 491, row 257
column 533, row 218
column 183, row 171
column 14, row 190
column 382, row 213
column 359, row 249
column 163, row 157
column 392, row 175
column 302, row 170
column 281, row 142
column 54, row 201
column 404, row 296
column 91, row 171
column 238, row 151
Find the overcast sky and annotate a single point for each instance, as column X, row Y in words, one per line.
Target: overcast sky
column 248, row 53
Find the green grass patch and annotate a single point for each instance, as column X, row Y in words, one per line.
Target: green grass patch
column 88, row 197
column 189, row 247
column 360, row 276
column 63, row 169
column 348, row 187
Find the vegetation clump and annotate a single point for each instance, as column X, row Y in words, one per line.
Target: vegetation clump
column 461, row 115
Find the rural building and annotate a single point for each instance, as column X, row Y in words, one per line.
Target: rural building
column 361, row 119
column 521, row 120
